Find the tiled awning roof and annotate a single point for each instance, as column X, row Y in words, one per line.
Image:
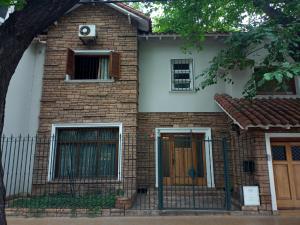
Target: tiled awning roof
column 261, row 112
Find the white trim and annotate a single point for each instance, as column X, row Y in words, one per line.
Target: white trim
column 208, row 149
column 144, row 24
column 272, row 126
column 90, row 81
column 189, row 61
column 268, row 137
column 93, row 52
column 52, row 151
column 277, row 96
column 175, row 36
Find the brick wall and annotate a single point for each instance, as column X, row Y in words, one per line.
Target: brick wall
column 147, row 122
column 251, row 145
column 64, row 102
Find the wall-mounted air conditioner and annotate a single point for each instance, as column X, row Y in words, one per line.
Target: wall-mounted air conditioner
column 87, row 33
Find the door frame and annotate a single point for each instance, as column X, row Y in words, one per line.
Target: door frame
column 208, row 149
column 268, row 137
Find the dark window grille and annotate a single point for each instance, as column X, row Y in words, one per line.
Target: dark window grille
column 182, row 74
column 183, row 141
column 279, row 153
column 87, row 153
column 296, row 153
column 91, row 67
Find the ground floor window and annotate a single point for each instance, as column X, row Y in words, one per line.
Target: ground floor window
column 87, row 152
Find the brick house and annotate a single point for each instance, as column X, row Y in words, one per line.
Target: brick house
column 133, row 92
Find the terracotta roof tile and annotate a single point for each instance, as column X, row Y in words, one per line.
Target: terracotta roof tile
column 261, row 112
column 134, row 11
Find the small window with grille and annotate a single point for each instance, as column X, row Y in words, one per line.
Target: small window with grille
column 182, row 75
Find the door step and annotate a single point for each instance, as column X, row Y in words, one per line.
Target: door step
column 184, row 212
column 290, row 212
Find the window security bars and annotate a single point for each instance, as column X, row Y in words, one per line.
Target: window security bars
column 80, row 189
column 87, row 153
column 182, row 75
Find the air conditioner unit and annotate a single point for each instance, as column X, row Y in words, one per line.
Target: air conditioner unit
column 87, row 33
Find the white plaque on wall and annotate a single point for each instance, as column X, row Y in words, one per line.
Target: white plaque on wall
column 251, row 195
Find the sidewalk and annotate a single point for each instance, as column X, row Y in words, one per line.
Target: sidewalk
column 164, row 220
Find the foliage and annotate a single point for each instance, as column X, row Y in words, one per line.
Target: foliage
column 66, row 201
column 257, row 26
column 151, row 9
column 17, row 3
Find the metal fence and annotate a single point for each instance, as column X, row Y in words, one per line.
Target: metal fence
column 114, row 175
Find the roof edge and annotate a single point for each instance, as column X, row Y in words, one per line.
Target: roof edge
column 225, row 102
column 144, row 22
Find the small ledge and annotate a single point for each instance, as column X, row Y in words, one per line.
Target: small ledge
column 89, row 81
column 85, row 181
column 183, row 92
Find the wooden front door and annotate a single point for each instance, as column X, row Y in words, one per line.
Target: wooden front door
column 286, row 167
column 183, row 158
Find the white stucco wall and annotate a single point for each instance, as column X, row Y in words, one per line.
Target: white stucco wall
column 24, row 93
column 21, row 118
column 155, row 77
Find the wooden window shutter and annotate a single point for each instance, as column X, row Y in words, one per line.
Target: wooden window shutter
column 70, row 67
column 114, row 65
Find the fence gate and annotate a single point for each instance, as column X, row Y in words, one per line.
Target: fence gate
column 193, row 172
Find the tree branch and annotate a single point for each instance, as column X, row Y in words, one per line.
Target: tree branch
column 16, row 34
column 272, row 13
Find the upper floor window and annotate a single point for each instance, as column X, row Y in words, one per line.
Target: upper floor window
column 182, row 75
column 271, row 87
column 93, row 65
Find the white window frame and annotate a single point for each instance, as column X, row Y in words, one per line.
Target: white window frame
column 268, row 137
column 90, row 53
column 53, row 144
column 208, row 149
column 191, row 72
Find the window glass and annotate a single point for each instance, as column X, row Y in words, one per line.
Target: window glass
column 91, row 67
column 182, row 141
column 87, row 153
column 278, row 152
column 295, row 153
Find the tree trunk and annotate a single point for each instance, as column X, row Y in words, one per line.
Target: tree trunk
column 16, row 35
column 2, row 187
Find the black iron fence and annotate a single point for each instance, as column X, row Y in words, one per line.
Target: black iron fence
column 107, row 174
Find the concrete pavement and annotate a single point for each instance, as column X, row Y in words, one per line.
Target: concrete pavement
column 163, row 220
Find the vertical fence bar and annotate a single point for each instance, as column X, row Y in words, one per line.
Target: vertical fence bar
column 160, row 176
column 226, row 175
